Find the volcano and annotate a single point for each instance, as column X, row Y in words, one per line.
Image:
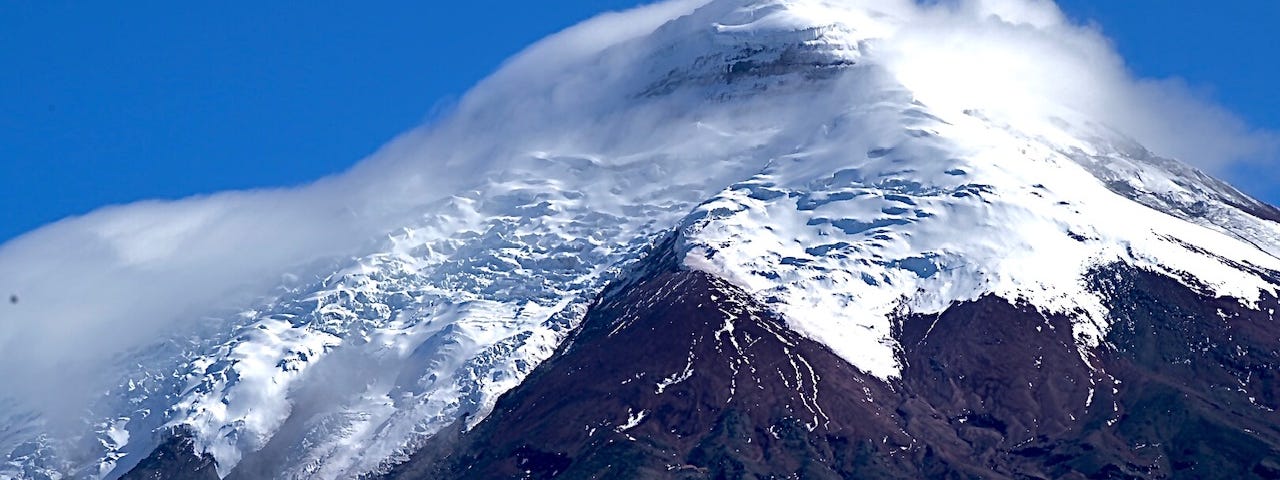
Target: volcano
column 739, row 239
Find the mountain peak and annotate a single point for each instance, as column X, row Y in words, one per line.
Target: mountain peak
column 755, row 46
column 854, row 171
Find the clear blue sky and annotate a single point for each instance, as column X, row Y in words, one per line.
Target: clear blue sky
column 103, row 104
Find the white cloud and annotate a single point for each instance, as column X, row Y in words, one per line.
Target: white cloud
column 1023, row 60
column 94, row 286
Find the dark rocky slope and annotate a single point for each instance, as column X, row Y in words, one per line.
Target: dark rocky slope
column 758, row 401
column 175, row 458
column 1186, row 387
column 678, row 374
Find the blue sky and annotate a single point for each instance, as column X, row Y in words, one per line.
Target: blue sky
column 105, row 104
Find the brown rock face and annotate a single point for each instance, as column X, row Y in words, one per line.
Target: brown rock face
column 681, row 375
column 174, row 459
column 678, row 374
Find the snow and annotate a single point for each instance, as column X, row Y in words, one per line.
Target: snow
column 677, row 377
column 795, row 155
column 841, row 241
column 633, row 420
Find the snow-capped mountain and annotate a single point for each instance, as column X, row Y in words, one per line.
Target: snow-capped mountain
column 773, row 173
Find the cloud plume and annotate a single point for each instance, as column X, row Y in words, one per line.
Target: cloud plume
column 1024, row 60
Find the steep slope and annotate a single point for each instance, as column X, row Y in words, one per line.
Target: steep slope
column 847, row 226
column 677, row 374
column 680, row 374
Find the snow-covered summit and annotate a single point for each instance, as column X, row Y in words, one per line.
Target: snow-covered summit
column 787, row 143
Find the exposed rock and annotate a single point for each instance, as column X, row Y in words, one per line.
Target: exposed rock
column 175, row 458
column 681, row 375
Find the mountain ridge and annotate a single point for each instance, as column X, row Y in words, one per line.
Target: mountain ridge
column 991, row 389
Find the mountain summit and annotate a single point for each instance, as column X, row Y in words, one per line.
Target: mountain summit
column 701, row 239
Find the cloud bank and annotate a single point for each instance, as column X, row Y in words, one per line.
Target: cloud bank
column 1025, row 61
column 96, row 286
